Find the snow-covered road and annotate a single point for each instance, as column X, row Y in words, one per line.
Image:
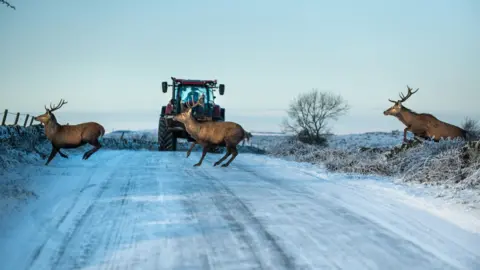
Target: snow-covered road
column 153, row 210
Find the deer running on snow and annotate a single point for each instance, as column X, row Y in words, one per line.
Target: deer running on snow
column 69, row 136
column 422, row 125
column 210, row 134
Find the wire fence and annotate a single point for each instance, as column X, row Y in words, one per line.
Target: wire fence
column 17, row 119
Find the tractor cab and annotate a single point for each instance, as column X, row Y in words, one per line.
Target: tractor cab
column 190, row 91
column 187, row 92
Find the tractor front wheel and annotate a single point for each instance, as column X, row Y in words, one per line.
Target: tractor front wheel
column 167, row 141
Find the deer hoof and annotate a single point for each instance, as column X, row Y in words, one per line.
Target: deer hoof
column 196, row 165
column 225, row 165
column 215, row 164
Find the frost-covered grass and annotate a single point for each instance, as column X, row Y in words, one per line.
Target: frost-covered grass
column 19, row 145
column 430, row 163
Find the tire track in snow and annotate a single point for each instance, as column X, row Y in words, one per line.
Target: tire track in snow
column 410, row 225
column 102, row 233
column 237, row 229
column 193, row 211
column 247, row 226
column 119, row 209
column 91, row 234
column 80, row 215
column 67, row 213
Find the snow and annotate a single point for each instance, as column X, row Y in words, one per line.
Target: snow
column 153, row 210
column 433, row 164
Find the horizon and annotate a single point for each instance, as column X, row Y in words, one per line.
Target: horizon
column 350, row 124
column 108, row 62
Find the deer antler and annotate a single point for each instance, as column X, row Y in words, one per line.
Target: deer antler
column 195, row 104
column 404, row 98
column 60, row 104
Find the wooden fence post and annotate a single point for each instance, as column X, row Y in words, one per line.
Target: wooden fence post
column 31, row 121
column 26, row 120
column 16, row 119
column 4, row 117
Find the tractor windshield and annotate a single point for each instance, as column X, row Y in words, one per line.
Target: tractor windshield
column 187, row 92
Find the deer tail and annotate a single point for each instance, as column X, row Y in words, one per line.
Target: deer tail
column 246, row 136
column 102, row 131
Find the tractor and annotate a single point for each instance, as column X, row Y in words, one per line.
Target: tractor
column 187, row 92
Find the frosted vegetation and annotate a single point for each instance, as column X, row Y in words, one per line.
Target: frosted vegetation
column 371, row 153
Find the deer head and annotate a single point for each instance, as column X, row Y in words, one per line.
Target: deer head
column 48, row 115
column 184, row 116
column 397, row 105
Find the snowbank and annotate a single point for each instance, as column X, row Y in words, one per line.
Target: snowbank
column 439, row 164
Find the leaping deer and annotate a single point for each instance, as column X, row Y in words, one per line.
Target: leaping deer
column 210, row 134
column 69, row 136
column 422, row 125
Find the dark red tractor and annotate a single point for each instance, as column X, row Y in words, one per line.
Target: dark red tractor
column 186, row 92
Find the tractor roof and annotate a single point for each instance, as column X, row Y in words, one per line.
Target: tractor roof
column 194, row 82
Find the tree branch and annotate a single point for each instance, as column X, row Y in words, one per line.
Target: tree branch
column 8, row 4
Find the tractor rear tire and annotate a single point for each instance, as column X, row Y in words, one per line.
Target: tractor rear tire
column 167, row 141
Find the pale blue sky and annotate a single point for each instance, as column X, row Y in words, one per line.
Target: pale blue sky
column 109, row 58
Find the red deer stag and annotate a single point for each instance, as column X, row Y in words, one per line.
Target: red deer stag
column 210, row 134
column 69, row 136
column 422, row 125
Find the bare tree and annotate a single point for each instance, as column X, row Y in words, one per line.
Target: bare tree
column 7, row 3
column 472, row 127
column 310, row 113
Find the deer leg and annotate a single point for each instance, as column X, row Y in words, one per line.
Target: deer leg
column 62, row 154
column 52, row 155
column 204, row 152
column 96, row 147
column 234, row 155
column 191, row 148
column 224, row 157
column 405, row 135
